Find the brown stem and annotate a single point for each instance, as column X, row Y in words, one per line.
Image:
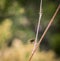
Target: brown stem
column 48, row 26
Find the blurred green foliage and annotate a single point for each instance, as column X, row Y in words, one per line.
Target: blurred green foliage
column 22, row 17
column 55, row 43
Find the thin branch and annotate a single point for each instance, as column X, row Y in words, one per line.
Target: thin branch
column 40, row 15
column 48, row 26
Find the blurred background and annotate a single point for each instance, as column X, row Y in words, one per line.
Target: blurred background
column 18, row 25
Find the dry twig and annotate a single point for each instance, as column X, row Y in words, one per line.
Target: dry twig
column 48, row 26
column 40, row 15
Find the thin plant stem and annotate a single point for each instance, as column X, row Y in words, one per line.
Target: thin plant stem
column 39, row 21
column 48, row 26
column 40, row 15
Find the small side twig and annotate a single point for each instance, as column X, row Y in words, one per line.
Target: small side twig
column 48, row 26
